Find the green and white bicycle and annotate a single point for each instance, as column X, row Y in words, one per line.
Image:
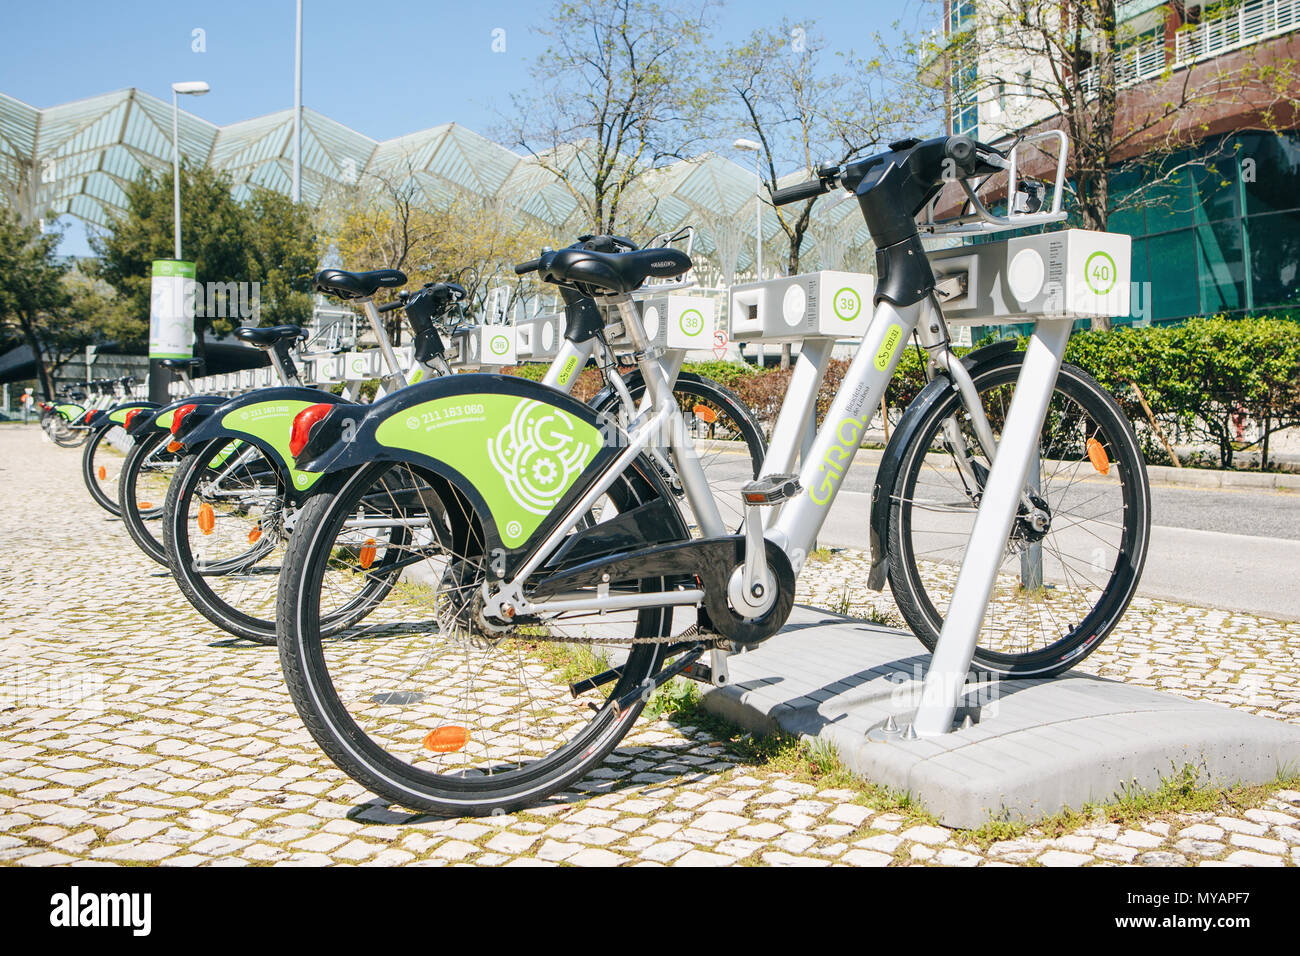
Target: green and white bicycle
column 531, row 525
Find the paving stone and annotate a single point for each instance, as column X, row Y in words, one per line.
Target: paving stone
column 201, row 759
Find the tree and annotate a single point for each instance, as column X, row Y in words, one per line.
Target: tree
column 265, row 239
column 386, row 222
column 804, row 114
column 90, row 315
column 31, row 287
column 619, row 92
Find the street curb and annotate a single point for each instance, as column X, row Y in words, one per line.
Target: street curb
column 1215, row 478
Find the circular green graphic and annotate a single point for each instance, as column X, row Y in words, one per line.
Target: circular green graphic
column 691, row 322
column 847, row 304
column 1100, row 273
column 499, row 345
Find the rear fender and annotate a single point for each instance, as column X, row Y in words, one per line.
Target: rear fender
column 904, row 434
column 161, row 418
column 521, row 452
column 116, row 414
column 263, row 418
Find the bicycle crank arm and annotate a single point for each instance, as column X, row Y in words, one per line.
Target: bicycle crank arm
column 651, row 684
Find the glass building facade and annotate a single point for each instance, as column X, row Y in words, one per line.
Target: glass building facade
column 1216, row 228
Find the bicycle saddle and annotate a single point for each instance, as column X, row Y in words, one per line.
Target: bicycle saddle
column 611, row 273
column 357, row 285
column 189, row 363
column 269, row 337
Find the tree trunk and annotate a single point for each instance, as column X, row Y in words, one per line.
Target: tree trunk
column 42, row 372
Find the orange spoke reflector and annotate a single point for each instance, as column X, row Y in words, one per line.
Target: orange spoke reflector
column 1097, row 455
column 255, row 535
column 103, row 472
column 367, row 559
column 144, row 504
column 705, row 414
column 174, row 446
column 207, row 518
column 446, row 740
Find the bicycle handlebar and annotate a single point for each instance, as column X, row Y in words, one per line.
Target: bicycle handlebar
column 808, row 190
column 532, row 265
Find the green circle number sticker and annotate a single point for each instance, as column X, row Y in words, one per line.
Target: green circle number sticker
column 500, row 345
column 691, row 322
column 847, row 304
column 1100, row 273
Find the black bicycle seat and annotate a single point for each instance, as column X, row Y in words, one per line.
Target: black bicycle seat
column 188, row 363
column 357, row 285
column 611, row 273
column 269, row 337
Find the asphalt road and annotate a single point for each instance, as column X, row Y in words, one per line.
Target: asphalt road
column 1237, row 549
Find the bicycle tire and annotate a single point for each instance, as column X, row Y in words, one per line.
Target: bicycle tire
column 920, row 592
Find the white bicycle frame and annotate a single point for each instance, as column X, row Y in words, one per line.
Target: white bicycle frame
column 794, row 525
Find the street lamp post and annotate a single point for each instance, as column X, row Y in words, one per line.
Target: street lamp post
column 158, row 377
column 750, row 146
column 193, row 88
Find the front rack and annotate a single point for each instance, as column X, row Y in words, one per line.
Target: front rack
column 980, row 220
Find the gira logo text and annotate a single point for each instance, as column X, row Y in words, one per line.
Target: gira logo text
column 832, row 468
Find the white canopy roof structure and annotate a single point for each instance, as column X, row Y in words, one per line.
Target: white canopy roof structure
column 77, row 159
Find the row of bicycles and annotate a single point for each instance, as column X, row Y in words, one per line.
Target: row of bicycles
column 421, row 560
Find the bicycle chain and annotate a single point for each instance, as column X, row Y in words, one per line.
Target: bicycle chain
column 690, row 632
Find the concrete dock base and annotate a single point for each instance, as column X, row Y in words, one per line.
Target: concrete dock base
column 1030, row 748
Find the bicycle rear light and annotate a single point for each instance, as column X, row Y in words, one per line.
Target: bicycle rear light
column 302, row 425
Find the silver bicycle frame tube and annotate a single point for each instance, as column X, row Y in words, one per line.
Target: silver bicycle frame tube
column 800, row 519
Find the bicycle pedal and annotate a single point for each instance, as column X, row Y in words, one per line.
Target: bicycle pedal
column 770, row 489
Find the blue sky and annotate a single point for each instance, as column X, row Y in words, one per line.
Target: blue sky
column 382, row 67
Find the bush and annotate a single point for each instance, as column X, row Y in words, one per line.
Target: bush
column 1200, row 380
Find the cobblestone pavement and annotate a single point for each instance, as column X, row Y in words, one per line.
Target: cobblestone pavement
column 133, row 731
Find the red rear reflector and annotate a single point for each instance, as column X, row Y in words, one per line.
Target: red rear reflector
column 179, row 416
column 207, row 518
column 302, row 425
column 126, row 423
column 446, row 740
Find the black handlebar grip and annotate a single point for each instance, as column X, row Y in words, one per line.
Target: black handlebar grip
column 790, row 194
column 390, row 306
column 532, row 265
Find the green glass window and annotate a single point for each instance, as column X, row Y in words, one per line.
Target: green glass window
column 1270, row 172
column 1173, row 259
column 1220, row 266
column 1275, row 259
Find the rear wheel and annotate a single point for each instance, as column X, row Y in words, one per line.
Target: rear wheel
column 142, row 491
column 1075, row 553
column 429, row 705
column 227, row 524
column 101, row 465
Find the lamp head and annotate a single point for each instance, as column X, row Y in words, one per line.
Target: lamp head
column 191, row 88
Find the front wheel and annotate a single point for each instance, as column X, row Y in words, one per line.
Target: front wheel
column 1078, row 543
